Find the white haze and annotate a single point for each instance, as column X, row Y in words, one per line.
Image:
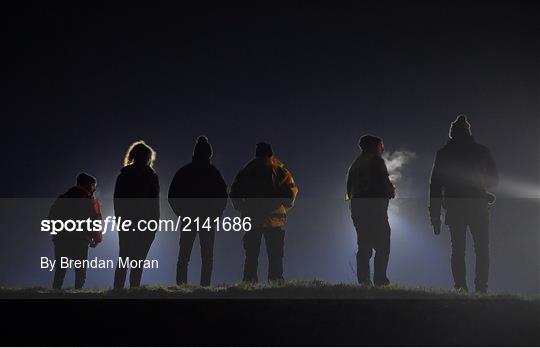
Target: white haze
column 395, row 161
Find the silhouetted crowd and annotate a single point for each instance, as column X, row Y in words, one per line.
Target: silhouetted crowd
column 264, row 190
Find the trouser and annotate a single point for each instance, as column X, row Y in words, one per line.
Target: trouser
column 135, row 246
column 206, row 240
column 274, row 238
column 370, row 219
column 473, row 214
column 74, row 250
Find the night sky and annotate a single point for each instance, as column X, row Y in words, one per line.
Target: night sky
column 80, row 85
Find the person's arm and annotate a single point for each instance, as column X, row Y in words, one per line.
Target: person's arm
column 222, row 192
column 492, row 174
column 350, row 183
column 96, row 234
column 118, row 194
column 237, row 191
column 287, row 188
column 175, row 193
column 383, row 185
column 155, row 196
column 436, row 194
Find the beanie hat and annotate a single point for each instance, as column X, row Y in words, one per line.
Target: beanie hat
column 202, row 150
column 84, row 179
column 460, row 127
column 263, row 150
column 369, row 142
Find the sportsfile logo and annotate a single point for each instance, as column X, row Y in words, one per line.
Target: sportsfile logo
column 182, row 223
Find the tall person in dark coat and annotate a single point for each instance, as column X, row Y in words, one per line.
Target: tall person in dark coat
column 264, row 190
column 462, row 173
column 369, row 189
column 136, row 197
column 78, row 203
column 198, row 191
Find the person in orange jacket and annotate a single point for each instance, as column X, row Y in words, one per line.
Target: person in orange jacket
column 264, row 190
column 78, row 203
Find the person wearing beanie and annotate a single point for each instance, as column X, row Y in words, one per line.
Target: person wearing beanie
column 77, row 203
column 369, row 190
column 264, row 190
column 462, row 172
column 198, row 190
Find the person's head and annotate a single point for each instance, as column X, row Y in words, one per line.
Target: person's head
column 86, row 181
column 460, row 128
column 263, row 150
column 371, row 144
column 203, row 149
column 140, row 154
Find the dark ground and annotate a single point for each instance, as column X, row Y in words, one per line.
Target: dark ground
column 228, row 316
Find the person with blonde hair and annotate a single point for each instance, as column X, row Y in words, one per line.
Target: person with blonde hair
column 136, row 197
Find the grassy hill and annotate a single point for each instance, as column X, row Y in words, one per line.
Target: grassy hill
column 315, row 289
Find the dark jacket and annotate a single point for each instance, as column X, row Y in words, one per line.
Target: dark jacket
column 198, row 190
column 462, row 169
column 368, row 178
column 136, row 193
column 264, row 190
column 77, row 204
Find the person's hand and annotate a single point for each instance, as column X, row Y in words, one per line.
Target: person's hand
column 436, row 227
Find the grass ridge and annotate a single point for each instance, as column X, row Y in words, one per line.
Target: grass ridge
column 296, row 289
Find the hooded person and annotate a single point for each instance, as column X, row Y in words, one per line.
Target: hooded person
column 462, row 172
column 136, row 198
column 78, row 204
column 369, row 189
column 264, row 190
column 198, row 190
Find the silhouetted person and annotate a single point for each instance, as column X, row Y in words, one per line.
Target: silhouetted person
column 264, row 190
column 198, row 191
column 78, row 203
column 136, row 197
column 369, row 189
column 462, row 172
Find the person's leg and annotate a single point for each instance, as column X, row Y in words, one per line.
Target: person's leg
column 361, row 217
column 480, row 232
column 363, row 255
column 120, row 273
column 59, row 272
column 458, row 237
column 252, row 246
column 184, row 254
column 274, row 238
column 141, row 249
column 382, row 253
column 206, row 240
column 80, row 273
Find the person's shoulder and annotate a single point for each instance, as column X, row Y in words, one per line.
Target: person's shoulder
column 185, row 168
column 75, row 192
column 481, row 148
column 378, row 161
column 446, row 147
column 213, row 169
column 153, row 174
column 251, row 164
column 280, row 168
